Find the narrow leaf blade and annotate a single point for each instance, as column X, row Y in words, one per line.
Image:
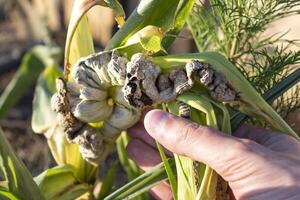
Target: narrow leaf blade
column 20, row 181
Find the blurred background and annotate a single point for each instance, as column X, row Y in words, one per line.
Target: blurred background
column 25, row 23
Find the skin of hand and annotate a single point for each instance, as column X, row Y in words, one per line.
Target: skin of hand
column 258, row 164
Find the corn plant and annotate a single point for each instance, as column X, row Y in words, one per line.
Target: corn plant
column 86, row 109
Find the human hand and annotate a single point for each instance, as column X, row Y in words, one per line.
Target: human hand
column 258, row 164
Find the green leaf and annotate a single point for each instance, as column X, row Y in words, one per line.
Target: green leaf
column 20, row 181
column 147, row 41
column 142, row 183
column 80, row 191
column 79, row 42
column 151, row 44
column 131, row 169
column 3, row 184
column 169, row 171
column 107, row 183
column 281, row 87
column 34, row 61
column 116, row 7
column 169, row 15
column 271, row 95
column 185, row 177
column 5, row 195
column 55, row 180
column 58, row 181
column 42, row 114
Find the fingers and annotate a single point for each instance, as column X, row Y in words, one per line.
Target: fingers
column 146, row 158
column 197, row 142
column 138, row 131
column 269, row 139
column 162, row 192
column 250, row 132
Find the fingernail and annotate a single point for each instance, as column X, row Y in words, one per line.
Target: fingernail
column 154, row 121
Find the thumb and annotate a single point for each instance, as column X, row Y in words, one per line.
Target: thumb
column 197, row 142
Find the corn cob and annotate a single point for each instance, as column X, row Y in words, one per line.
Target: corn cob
column 83, row 103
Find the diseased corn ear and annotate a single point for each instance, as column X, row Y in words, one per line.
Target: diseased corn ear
column 91, row 145
column 146, row 85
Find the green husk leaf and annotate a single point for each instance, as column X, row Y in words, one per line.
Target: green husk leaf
column 131, row 169
column 185, row 177
column 20, row 182
column 79, row 42
column 147, row 41
column 116, row 7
